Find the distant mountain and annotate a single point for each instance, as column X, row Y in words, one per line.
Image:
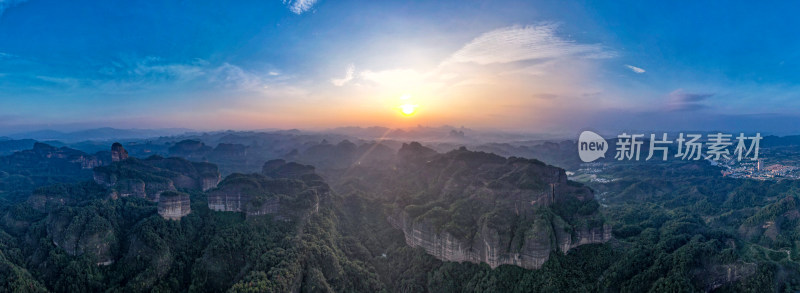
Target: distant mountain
column 105, row 133
column 42, row 165
column 773, row 141
column 443, row 133
column 9, row 146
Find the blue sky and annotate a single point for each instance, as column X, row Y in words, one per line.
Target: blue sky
column 536, row 66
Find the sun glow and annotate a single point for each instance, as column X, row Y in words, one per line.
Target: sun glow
column 408, row 109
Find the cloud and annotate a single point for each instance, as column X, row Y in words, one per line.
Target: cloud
column 520, row 43
column 395, row 78
column 348, row 76
column 635, row 69
column 134, row 74
column 233, row 76
column 62, row 81
column 299, row 6
column 6, row 55
column 528, row 67
column 5, row 4
column 150, row 67
column 679, row 100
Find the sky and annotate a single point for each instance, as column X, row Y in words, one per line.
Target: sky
column 523, row 66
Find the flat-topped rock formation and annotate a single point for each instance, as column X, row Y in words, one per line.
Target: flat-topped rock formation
column 491, row 246
column 483, row 208
column 150, row 177
column 288, row 191
column 173, row 205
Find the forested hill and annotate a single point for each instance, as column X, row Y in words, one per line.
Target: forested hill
column 412, row 221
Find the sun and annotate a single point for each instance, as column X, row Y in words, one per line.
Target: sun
column 408, row 109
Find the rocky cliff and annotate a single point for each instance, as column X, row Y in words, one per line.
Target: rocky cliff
column 480, row 207
column 290, row 190
column 247, row 195
column 490, row 245
column 150, row 177
column 118, row 153
column 173, row 205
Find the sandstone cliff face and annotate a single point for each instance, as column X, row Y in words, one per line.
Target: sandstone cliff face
column 488, row 246
column 210, row 182
column 118, row 153
column 257, row 195
column 291, row 190
column 589, row 236
column 186, row 174
column 150, row 177
column 130, row 187
column 480, row 207
column 174, row 205
column 136, row 185
column 238, row 199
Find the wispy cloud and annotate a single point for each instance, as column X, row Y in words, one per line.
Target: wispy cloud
column 299, row 6
column 398, row 78
column 527, row 65
column 234, row 76
column 520, row 43
column 635, row 69
column 153, row 73
column 679, row 100
column 152, row 67
column 5, row 4
column 62, row 81
column 348, row 76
